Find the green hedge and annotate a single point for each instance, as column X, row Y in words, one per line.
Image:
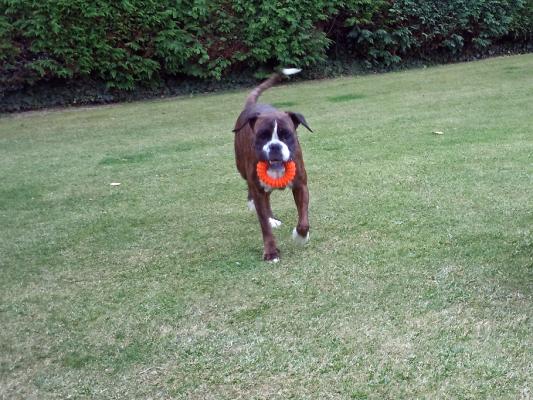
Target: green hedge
column 435, row 28
column 127, row 43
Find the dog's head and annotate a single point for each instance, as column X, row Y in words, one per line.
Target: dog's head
column 275, row 136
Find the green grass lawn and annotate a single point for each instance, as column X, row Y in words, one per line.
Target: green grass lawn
column 417, row 281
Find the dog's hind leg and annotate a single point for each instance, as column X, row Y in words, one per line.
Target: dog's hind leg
column 300, row 234
column 262, row 206
column 251, row 204
column 274, row 222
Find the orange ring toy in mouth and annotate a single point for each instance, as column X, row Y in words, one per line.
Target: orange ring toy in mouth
column 281, row 182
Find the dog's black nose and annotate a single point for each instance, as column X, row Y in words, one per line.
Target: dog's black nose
column 275, row 153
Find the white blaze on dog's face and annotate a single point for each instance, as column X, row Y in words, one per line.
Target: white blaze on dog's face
column 275, row 147
column 275, row 142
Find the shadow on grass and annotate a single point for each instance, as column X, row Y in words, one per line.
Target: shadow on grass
column 284, row 104
column 346, row 97
column 127, row 159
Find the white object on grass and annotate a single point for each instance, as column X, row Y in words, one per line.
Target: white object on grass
column 115, row 183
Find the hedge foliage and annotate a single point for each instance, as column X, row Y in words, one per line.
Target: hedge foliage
column 127, row 43
column 435, row 28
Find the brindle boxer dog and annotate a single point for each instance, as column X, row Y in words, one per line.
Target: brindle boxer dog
column 263, row 133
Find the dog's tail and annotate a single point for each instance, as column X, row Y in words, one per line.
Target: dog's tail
column 271, row 81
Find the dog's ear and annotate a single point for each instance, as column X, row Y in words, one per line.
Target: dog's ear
column 250, row 119
column 298, row 119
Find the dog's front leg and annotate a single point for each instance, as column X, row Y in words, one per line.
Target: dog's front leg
column 300, row 234
column 262, row 206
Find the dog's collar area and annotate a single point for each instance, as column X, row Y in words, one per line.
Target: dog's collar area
column 278, row 183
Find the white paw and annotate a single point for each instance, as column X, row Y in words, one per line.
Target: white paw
column 251, row 205
column 274, row 223
column 274, row 261
column 299, row 239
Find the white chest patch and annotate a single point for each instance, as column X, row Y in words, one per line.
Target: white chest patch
column 273, row 174
column 265, row 186
column 278, row 173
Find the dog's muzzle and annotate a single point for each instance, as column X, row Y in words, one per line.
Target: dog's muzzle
column 275, row 165
column 276, row 157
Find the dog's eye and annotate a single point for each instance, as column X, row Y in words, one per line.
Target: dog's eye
column 263, row 135
column 283, row 134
